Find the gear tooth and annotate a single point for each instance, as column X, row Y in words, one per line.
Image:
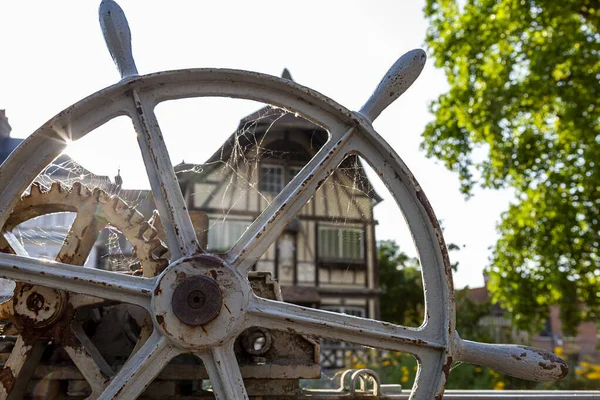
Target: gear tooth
column 85, row 191
column 120, row 206
column 159, row 266
column 56, row 186
column 97, row 193
column 150, row 234
column 143, row 227
column 136, row 217
column 160, row 251
column 114, row 201
column 104, row 197
column 76, row 188
column 38, row 188
column 156, row 246
column 126, row 213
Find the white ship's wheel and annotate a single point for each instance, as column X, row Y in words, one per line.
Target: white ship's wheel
column 201, row 302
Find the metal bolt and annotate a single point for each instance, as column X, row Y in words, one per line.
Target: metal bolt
column 35, row 302
column 197, row 300
column 256, row 341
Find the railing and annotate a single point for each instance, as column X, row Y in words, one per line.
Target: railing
column 365, row 384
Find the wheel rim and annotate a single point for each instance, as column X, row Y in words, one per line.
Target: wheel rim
column 350, row 133
column 192, row 274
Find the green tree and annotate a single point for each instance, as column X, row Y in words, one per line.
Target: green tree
column 469, row 315
column 401, row 282
column 524, row 87
column 402, row 299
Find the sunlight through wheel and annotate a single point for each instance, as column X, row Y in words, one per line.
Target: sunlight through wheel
column 201, row 302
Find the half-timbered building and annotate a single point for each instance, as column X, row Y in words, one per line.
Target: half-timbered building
column 326, row 257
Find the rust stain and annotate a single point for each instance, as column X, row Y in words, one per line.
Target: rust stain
column 58, row 330
column 418, row 342
column 547, row 367
column 35, row 302
column 307, row 180
column 564, row 370
column 554, row 361
column 7, row 379
column 446, row 368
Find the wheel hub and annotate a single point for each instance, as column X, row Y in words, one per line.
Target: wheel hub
column 38, row 305
column 200, row 302
column 197, row 300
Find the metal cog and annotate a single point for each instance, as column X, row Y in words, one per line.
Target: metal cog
column 42, row 315
column 96, row 209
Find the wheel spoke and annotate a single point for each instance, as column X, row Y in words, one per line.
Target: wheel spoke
column 76, row 248
column 81, row 238
column 177, row 224
column 224, row 372
column 145, row 333
column 139, row 371
column 89, row 361
column 78, row 301
column 72, row 278
column 347, row 328
column 432, row 375
column 270, row 224
column 15, row 245
column 19, row 368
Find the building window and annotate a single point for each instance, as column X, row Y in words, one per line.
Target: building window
column 355, row 311
column 222, row 235
column 271, row 179
column 336, row 354
column 341, row 244
column 287, row 251
column 274, row 177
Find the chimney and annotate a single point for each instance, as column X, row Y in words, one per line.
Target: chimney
column 4, row 125
column 118, row 180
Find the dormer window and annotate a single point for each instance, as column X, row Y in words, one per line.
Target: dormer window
column 274, row 177
column 341, row 244
column 271, row 178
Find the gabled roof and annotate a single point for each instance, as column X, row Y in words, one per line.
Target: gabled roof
column 250, row 132
column 7, row 146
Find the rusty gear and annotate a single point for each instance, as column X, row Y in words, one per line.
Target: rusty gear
column 95, row 208
column 39, row 320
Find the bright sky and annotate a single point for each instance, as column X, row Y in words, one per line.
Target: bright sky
column 53, row 54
